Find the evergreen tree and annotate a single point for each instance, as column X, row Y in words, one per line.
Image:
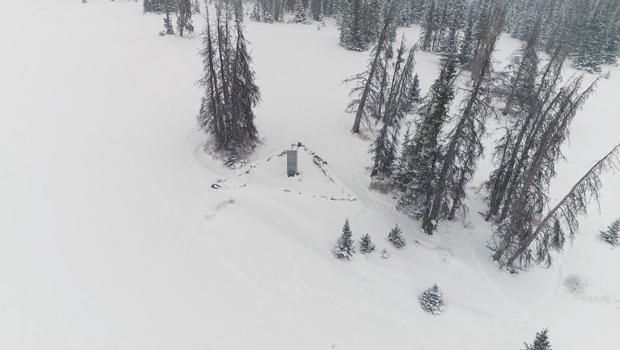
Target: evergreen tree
column 255, row 15
column 466, row 45
column 301, row 13
column 148, row 6
column 167, row 7
column 450, row 45
column 168, row 25
column 316, row 9
column 464, row 145
column 245, row 94
column 414, row 94
column 429, row 26
column 541, row 342
column 612, row 235
column 226, row 110
column 352, row 31
column 431, row 300
column 184, row 18
column 360, row 22
column 396, row 237
column 366, row 245
column 196, row 6
column 344, row 247
column 372, row 20
column 417, row 174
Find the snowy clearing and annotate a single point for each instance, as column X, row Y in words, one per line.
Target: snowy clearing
column 112, row 237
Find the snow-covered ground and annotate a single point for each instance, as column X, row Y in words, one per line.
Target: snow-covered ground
column 112, row 237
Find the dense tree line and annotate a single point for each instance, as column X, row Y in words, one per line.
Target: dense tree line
column 591, row 26
column 429, row 168
column 182, row 9
column 455, row 27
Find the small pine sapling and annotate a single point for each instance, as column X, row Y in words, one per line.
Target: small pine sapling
column 168, row 25
column 366, row 245
column 344, row 247
column 396, row 237
column 431, row 300
column 611, row 235
column 541, row 342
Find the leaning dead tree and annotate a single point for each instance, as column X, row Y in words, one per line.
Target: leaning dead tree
column 562, row 220
column 527, row 197
column 384, row 37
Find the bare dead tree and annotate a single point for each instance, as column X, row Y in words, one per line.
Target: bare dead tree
column 383, row 38
column 562, row 218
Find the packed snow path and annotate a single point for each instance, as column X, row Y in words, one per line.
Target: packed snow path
column 111, row 236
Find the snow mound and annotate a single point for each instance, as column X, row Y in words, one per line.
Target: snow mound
column 314, row 177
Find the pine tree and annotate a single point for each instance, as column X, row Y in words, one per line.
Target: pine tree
column 351, row 26
column 612, row 235
column 168, row 25
column 372, row 20
column 417, row 174
column 245, row 94
column 366, row 245
column 184, row 18
column 429, row 26
column 301, row 13
column 541, row 342
column 466, row 45
column 316, row 9
column 396, row 237
column 431, row 300
column 196, row 6
column 256, row 11
column 147, row 6
column 344, row 247
column 226, row 110
column 167, row 7
column 464, row 146
column 414, row 94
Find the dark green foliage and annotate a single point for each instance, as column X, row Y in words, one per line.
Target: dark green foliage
column 464, row 146
column 226, row 111
column 414, row 94
column 301, row 13
column 420, row 158
column 344, row 248
column 467, row 43
column 360, row 23
column 396, row 237
column 366, row 245
column 612, row 234
column 431, row 300
column 589, row 26
column 168, row 25
column 184, row 17
column 541, row 342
